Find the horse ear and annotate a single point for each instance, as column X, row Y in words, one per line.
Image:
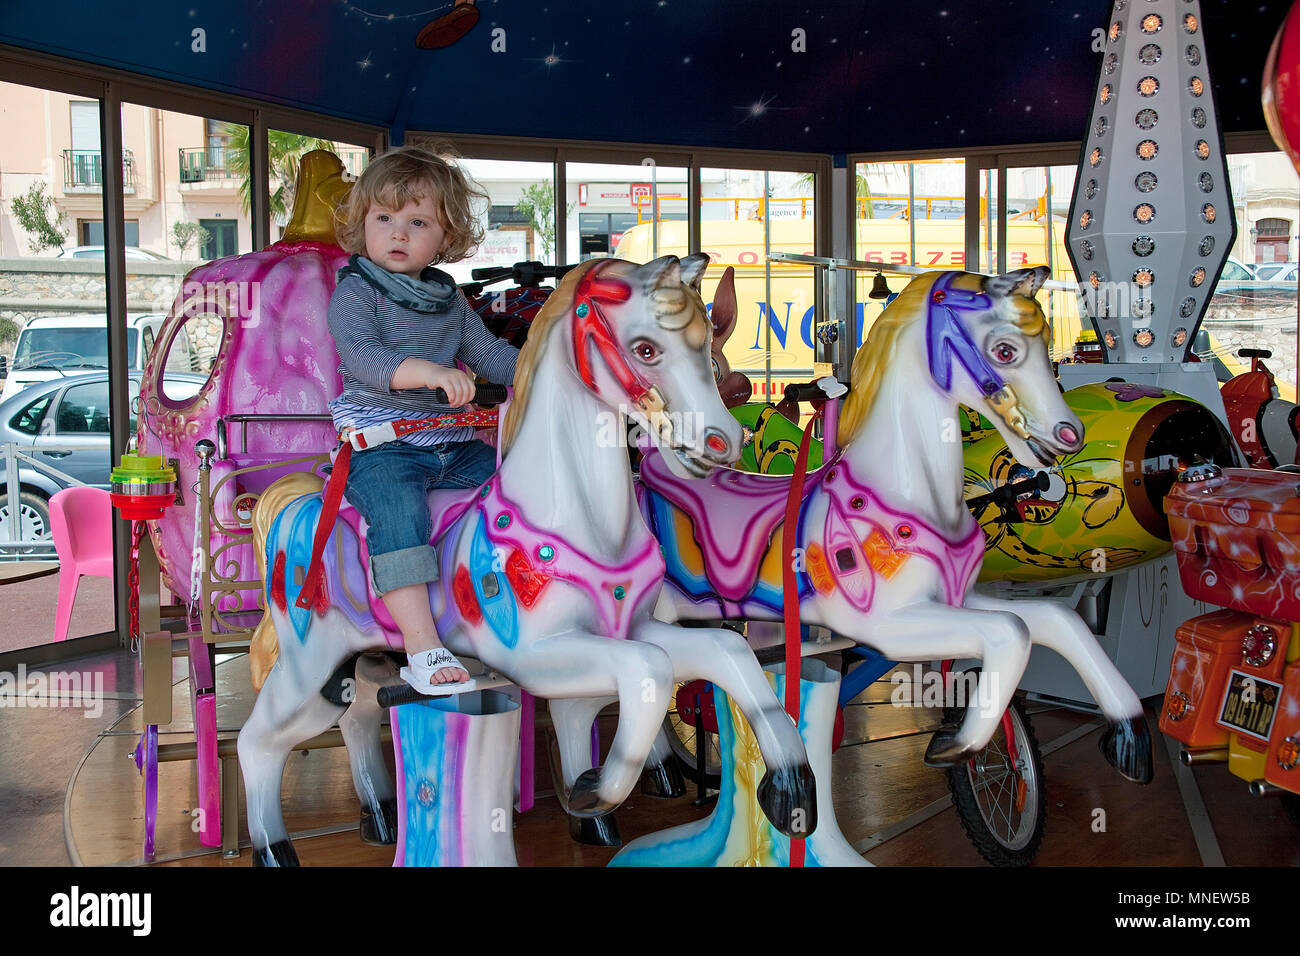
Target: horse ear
column 693, row 270
column 723, row 315
column 664, row 271
column 1025, row 282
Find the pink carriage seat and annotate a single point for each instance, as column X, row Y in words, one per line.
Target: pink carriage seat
column 81, row 521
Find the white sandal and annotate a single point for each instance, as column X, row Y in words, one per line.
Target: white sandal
column 423, row 665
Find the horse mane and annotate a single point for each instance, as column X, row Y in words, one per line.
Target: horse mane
column 264, row 647
column 559, row 305
column 879, row 350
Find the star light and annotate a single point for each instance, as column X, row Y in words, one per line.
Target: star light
column 366, row 63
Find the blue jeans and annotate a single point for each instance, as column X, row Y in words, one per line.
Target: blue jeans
column 389, row 485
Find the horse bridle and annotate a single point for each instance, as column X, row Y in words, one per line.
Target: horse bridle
column 591, row 327
column 946, row 337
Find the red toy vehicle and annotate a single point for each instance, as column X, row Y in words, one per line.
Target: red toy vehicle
column 1234, row 684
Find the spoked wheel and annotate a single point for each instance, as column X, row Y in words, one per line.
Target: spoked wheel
column 1003, row 807
column 688, row 730
column 33, row 519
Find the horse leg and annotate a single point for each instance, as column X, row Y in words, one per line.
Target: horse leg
column 581, row 664
column 788, row 792
column 360, row 725
column 933, row 631
column 1126, row 744
column 286, row 713
column 573, row 717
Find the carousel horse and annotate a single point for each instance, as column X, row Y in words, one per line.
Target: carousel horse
column 548, row 573
column 887, row 550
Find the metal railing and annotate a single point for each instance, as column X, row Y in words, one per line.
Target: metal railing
column 207, row 164
column 84, row 169
column 12, row 541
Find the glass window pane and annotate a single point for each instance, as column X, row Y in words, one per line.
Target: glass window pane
column 606, row 201
column 519, row 221
column 1038, row 205
column 52, row 322
column 1254, row 302
column 909, row 213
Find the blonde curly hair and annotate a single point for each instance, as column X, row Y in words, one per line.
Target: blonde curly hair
column 408, row 174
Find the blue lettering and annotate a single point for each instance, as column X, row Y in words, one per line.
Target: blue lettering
column 805, row 328
column 778, row 328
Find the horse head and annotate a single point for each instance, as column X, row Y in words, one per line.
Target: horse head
column 992, row 332
column 638, row 337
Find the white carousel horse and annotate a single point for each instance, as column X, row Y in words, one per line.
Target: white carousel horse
column 549, row 574
column 888, row 550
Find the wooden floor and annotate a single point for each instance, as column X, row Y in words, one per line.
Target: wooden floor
column 69, row 794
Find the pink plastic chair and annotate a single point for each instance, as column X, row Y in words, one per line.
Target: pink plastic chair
column 81, row 520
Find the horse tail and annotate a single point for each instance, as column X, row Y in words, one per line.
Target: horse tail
column 264, row 647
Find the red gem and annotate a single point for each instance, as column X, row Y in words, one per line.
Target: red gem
column 462, row 590
column 939, row 295
column 904, row 530
column 857, row 503
column 277, row 582
column 524, row 581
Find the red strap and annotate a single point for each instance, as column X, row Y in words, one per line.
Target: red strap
column 790, row 586
column 315, row 579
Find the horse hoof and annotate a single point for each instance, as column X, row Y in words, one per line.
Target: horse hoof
column 279, row 853
column 595, row 831
column 788, row 796
column 1127, row 747
column 664, row 781
column 584, row 801
column 380, row 829
column 945, row 750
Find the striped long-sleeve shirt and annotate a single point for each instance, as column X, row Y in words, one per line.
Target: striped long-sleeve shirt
column 374, row 335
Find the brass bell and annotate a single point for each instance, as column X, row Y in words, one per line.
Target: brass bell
column 879, row 287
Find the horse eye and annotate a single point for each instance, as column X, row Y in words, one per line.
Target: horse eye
column 1004, row 353
column 645, row 351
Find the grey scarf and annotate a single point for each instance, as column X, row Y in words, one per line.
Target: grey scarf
column 433, row 292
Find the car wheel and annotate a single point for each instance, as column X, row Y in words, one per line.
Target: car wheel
column 33, row 519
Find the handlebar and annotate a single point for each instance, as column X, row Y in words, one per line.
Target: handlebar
column 1005, row 495
column 811, row 392
column 484, row 394
column 530, row 273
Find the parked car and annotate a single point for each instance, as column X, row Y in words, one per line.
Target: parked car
column 64, row 423
column 1278, row 272
column 57, row 345
column 97, row 252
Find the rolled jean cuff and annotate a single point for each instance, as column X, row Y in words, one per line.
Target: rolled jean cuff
column 404, row 567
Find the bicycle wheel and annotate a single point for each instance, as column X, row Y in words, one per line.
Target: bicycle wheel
column 685, row 735
column 1003, row 808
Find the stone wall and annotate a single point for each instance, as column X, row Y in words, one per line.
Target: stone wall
column 1266, row 320
column 33, row 287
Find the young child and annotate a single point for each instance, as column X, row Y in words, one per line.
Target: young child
column 400, row 326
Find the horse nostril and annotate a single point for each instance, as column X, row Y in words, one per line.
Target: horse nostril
column 716, row 443
column 1068, row 436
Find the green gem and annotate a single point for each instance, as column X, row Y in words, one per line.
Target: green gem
column 503, row 521
column 546, row 552
column 483, row 492
column 619, row 592
column 582, row 311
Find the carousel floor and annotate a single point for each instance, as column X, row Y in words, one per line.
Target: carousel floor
column 69, row 794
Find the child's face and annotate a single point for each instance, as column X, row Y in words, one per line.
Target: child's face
column 404, row 240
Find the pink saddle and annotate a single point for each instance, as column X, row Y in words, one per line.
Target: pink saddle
column 447, row 505
column 733, row 512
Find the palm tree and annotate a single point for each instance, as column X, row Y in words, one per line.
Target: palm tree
column 807, row 180
column 285, row 150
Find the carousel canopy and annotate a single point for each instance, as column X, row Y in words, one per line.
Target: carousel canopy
column 820, row 77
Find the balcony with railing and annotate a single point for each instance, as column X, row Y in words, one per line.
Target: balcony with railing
column 213, row 164
column 83, row 171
